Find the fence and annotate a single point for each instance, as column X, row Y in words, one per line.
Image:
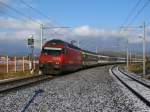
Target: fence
column 15, row 64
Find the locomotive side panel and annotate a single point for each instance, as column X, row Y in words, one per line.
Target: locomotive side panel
column 72, row 59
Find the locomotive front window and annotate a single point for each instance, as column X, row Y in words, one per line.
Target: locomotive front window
column 53, row 52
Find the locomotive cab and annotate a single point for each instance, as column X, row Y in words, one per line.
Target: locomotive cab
column 51, row 60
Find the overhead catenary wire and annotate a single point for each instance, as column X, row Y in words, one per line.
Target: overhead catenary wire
column 25, row 17
column 36, row 10
column 17, row 11
column 131, row 12
column 52, row 26
column 131, row 17
column 9, row 15
column 87, row 45
column 139, row 12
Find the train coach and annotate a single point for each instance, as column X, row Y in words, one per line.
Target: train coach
column 58, row 56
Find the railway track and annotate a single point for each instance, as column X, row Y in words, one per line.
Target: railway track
column 12, row 84
column 135, row 79
column 140, row 89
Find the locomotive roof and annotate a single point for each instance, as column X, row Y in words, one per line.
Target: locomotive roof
column 58, row 41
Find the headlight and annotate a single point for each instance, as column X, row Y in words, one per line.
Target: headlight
column 57, row 63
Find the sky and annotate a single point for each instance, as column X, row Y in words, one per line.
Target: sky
column 94, row 23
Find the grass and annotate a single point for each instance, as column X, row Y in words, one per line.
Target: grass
column 16, row 74
column 138, row 69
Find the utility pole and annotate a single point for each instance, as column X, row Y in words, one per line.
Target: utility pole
column 127, row 62
column 41, row 28
column 144, row 49
column 127, row 50
column 130, row 58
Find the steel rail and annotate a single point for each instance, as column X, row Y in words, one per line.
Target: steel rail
column 145, row 101
column 142, row 83
column 12, row 84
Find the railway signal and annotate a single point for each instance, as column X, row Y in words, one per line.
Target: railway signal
column 31, row 46
column 30, row 41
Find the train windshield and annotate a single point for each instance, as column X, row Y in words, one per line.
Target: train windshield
column 52, row 51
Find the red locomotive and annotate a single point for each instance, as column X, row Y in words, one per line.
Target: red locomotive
column 58, row 56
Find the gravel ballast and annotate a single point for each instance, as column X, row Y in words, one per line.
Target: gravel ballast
column 91, row 90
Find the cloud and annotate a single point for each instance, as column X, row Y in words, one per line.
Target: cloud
column 16, row 31
column 14, row 34
column 9, row 23
column 2, row 7
column 5, row 1
column 107, row 34
column 87, row 31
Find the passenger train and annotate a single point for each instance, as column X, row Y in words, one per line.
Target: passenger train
column 58, row 56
